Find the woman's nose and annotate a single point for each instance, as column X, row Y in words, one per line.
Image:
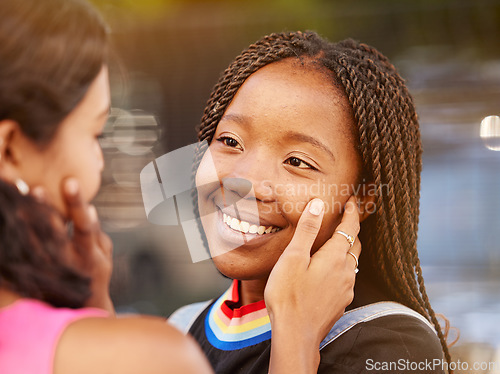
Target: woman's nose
column 251, row 177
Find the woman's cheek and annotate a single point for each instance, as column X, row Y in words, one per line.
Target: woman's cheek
column 292, row 210
column 207, row 171
column 94, row 187
column 99, row 157
column 266, row 209
column 330, row 223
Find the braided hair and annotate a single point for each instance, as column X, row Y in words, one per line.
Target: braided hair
column 389, row 144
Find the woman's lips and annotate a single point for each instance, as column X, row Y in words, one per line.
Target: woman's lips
column 235, row 238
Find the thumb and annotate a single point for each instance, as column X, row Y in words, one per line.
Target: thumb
column 307, row 228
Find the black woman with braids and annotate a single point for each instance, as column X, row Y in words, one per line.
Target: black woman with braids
column 301, row 118
column 54, row 102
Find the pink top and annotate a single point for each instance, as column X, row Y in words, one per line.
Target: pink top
column 29, row 333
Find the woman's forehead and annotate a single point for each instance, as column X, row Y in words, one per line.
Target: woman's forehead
column 288, row 93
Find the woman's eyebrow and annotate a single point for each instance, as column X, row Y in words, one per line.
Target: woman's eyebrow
column 301, row 138
column 236, row 118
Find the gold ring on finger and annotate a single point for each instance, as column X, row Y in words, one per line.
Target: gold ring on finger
column 350, row 239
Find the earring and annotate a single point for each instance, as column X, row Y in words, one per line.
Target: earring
column 22, row 187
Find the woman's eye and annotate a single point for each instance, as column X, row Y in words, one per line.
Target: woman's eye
column 230, row 142
column 297, row 162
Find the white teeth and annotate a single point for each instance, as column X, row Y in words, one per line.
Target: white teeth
column 244, row 226
column 247, row 227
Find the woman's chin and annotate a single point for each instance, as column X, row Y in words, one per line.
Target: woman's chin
column 240, row 269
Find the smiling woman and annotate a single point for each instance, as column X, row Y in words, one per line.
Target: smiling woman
column 299, row 118
column 287, row 124
column 54, row 284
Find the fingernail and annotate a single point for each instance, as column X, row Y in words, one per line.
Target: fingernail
column 72, row 186
column 38, row 193
column 92, row 213
column 316, row 207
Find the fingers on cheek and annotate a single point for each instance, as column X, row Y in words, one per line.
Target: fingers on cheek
column 338, row 241
column 356, row 248
column 349, row 274
column 350, row 225
column 349, row 292
column 353, row 279
column 338, row 264
column 106, row 244
column 92, row 213
column 73, row 203
column 348, row 289
column 351, row 228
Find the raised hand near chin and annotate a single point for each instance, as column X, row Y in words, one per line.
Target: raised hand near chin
column 91, row 251
column 305, row 295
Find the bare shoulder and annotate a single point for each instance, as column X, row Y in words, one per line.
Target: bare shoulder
column 127, row 345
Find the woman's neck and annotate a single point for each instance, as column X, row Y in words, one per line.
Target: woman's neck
column 366, row 291
column 7, row 297
column 252, row 291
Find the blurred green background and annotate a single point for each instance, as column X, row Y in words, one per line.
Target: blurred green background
column 171, row 54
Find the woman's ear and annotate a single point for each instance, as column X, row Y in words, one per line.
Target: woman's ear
column 366, row 197
column 8, row 153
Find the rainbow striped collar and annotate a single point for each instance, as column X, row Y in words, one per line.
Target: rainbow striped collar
column 228, row 328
